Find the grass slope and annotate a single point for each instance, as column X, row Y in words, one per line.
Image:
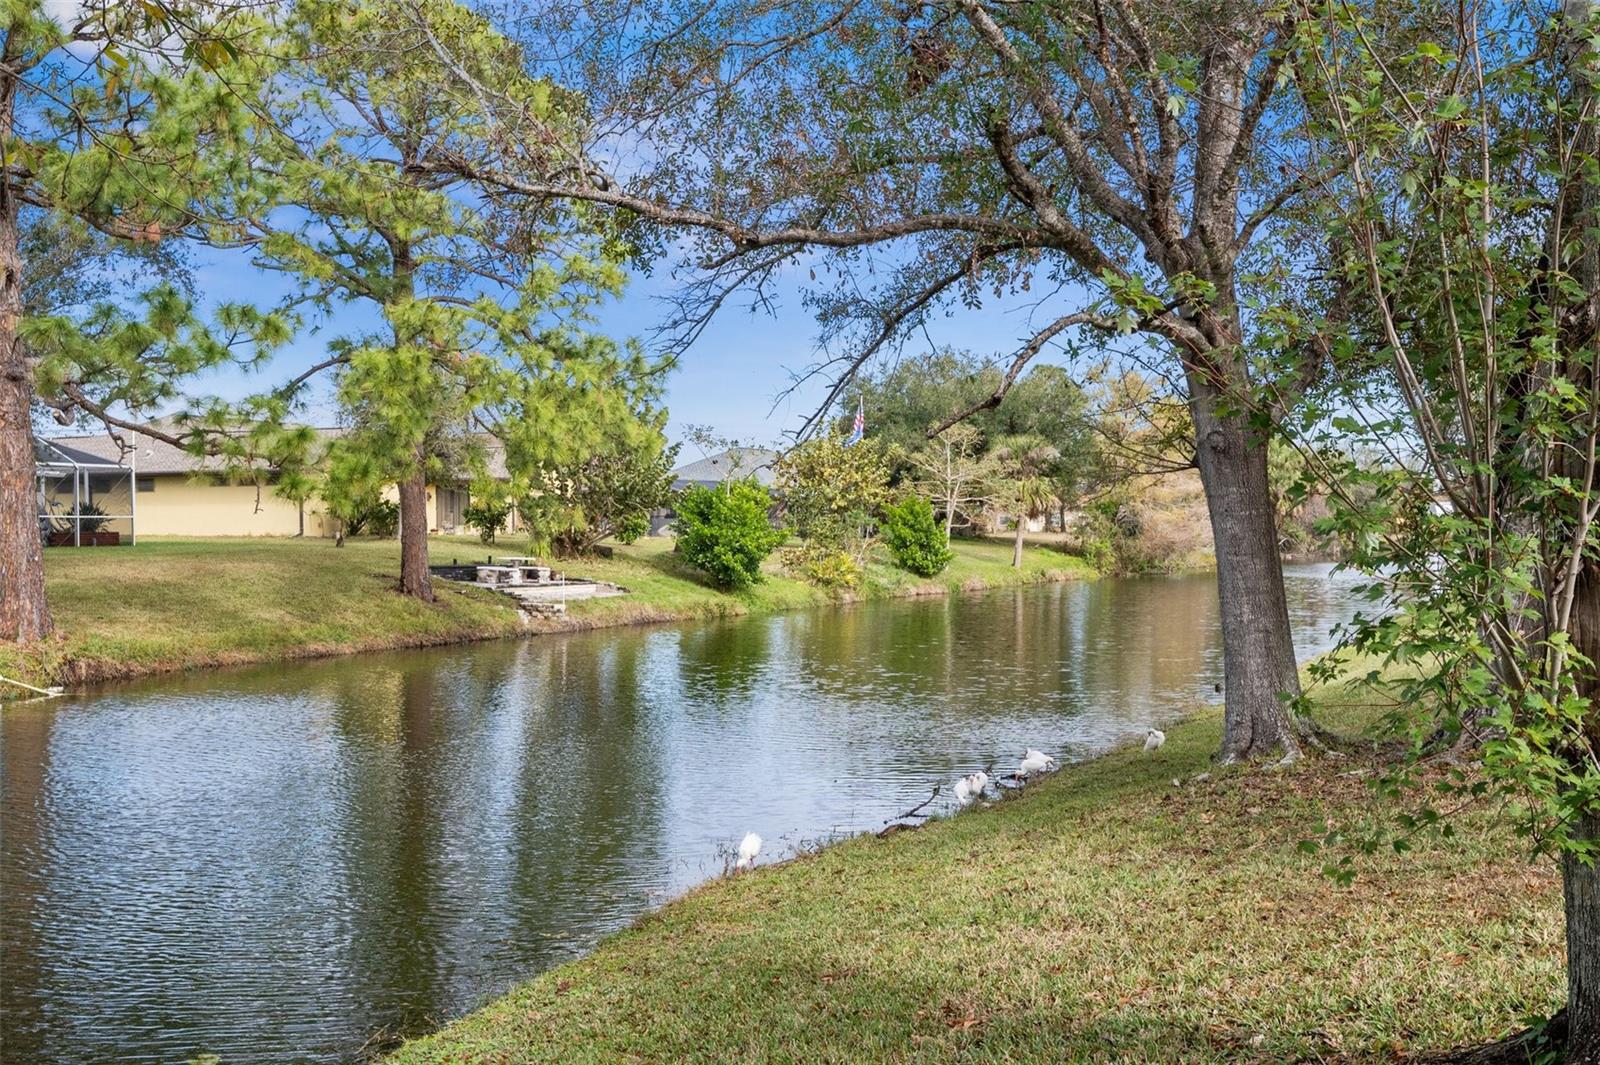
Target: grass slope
column 176, row 604
column 667, row 588
column 169, row 604
column 1104, row 916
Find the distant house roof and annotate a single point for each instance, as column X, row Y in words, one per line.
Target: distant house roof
column 157, row 457
column 736, row 463
column 152, row 456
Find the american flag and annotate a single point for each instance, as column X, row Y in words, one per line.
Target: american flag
column 858, row 430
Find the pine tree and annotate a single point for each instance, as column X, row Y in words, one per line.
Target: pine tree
column 485, row 316
column 116, row 122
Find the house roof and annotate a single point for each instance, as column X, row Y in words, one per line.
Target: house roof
column 736, row 463
column 157, row 457
column 54, row 453
column 152, row 456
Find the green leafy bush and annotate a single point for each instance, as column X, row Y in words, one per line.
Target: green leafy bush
column 487, row 514
column 915, row 539
column 605, row 494
column 368, row 513
column 632, row 526
column 832, row 489
column 824, row 565
column 93, row 519
column 726, row 532
column 1099, row 552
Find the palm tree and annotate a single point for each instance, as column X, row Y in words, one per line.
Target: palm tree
column 1023, row 463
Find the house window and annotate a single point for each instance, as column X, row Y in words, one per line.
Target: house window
column 145, row 484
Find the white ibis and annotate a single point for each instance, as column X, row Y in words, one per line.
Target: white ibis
column 971, row 787
column 1034, row 762
column 749, row 847
column 1153, row 740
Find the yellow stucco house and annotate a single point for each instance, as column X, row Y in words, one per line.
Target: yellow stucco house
column 175, row 495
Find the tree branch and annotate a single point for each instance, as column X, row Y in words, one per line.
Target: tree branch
column 1023, row 357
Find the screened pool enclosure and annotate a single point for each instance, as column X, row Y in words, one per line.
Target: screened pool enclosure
column 84, row 500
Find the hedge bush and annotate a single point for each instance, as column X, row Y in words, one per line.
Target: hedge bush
column 915, row 539
column 726, row 532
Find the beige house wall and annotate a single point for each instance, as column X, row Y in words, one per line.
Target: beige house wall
column 392, row 494
column 179, row 506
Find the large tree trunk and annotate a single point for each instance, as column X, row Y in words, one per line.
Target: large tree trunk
column 24, row 612
column 415, row 580
column 1258, row 655
column 1580, row 882
column 1579, row 213
column 1016, row 549
column 1581, row 886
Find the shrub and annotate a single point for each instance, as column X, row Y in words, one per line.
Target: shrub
column 829, row 567
column 1099, row 552
column 487, row 514
column 833, row 492
column 915, row 539
column 369, row 513
column 726, row 532
column 93, row 519
column 631, row 527
column 609, row 494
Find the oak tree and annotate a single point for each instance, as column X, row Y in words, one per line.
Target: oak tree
column 1127, row 163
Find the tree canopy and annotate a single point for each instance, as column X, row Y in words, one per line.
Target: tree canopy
column 1109, row 159
column 487, row 315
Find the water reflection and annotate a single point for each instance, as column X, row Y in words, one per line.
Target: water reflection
column 274, row 864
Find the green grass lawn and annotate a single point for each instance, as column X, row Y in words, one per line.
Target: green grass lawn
column 1106, row 915
column 169, row 604
column 665, row 587
column 176, row 603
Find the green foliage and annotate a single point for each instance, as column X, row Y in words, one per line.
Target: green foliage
column 1463, row 341
column 607, row 494
column 905, row 400
column 1023, row 483
column 824, row 565
column 367, row 513
column 915, row 540
column 1098, row 550
column 487, row 513
column 485, row 317
column 726, row 531
column 93, row 518
column 121, row 163
column 631, row 527
column 833, row 492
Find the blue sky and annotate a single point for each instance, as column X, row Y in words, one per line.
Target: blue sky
column 729, row 379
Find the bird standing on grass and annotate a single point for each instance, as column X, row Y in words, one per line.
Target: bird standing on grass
column 1153, row 740
column 1034, row 762
column 749, row 847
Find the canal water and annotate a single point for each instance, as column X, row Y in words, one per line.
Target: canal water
column 292, row 863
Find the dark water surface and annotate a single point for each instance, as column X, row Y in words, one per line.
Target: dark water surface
column 278, row 864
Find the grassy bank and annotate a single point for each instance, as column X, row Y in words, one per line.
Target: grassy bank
column 180, row 604
column 1107, row 915
column 174, row 604
column 666, row 588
